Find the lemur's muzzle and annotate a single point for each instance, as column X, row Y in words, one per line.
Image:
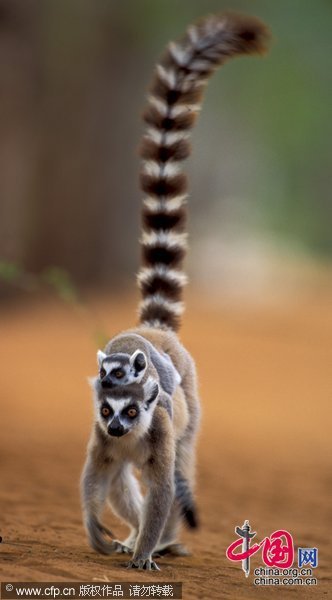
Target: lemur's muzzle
column 115, row 428
column 106, row 382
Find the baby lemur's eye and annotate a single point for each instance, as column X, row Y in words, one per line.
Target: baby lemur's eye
column 132, row 412
column 105, row 411
column 102, row 373
column 118, row 373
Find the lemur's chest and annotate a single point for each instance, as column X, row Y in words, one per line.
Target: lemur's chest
column 129, row 449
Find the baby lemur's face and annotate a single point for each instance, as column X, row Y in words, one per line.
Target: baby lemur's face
column 127, row 409
column 120, row 368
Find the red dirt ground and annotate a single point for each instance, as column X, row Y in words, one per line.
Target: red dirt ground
column 264, row 449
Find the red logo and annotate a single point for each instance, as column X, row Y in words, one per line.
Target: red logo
column 277, row 550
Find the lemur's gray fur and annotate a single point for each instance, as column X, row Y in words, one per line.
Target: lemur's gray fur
column 145, row 397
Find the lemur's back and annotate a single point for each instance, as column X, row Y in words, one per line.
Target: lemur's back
column 186, row 410
column 146, row 394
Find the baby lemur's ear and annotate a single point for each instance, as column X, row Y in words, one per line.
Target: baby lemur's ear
column 151, row 391
column 100, row 357
column 138, row 361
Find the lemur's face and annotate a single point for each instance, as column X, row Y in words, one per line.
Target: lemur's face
column 122, row 410
column 120, row 368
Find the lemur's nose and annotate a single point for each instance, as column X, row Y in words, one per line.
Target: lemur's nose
column 106, row 382
column 115, row 428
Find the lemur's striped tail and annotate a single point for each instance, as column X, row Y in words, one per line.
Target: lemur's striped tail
column 173, row 105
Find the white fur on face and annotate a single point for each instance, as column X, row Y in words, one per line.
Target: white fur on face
column 109, row 366
column 117, row 405
column 139, row 427
column 143, row 423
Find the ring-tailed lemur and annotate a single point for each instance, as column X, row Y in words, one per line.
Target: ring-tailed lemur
column 146, row 400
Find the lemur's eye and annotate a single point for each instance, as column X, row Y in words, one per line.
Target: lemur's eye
column 105, row 411
column 102, row 373
column 132, row 412
column 118, row 374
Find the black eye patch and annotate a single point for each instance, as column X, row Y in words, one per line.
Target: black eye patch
column 118, row 373
column 130, row 411
column 106, row 411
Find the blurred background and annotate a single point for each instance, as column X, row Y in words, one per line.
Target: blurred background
column 73, row 78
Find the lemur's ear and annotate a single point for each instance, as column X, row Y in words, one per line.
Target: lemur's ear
column 138, row 361
column 151, row 391
column 100, row 357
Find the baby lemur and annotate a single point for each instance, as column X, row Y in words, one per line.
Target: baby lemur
column 146, row 400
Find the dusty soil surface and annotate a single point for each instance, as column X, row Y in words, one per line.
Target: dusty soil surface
column 263, row 453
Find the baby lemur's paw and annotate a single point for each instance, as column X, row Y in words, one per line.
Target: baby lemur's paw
column 145, row 564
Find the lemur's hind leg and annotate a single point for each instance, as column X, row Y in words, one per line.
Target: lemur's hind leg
column 171, row 530
column 184, row 504
column 186, row 452
column 168, row 542
column 126, row 501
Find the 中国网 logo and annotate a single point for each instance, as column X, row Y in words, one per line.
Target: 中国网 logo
column 277, row 552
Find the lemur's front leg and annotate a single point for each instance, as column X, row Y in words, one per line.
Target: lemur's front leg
column 158, row 473
column 95, row 484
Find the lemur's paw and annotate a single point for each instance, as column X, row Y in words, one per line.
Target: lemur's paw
column 172, row 550
column 120, row 548
column 144, row 564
